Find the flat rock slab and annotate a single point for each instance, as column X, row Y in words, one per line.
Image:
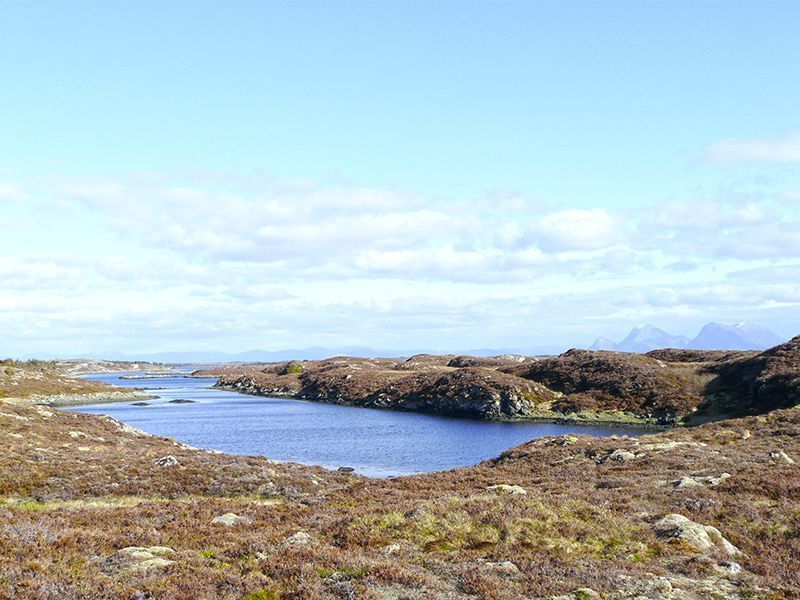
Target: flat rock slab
column 229, row 519
column 144, row 559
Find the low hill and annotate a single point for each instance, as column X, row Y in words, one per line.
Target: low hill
column 631, row 383
column 53, row 382
column 662, row 387
column 757, row 382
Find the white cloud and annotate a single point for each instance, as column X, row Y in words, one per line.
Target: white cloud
column 781, row 149
column 160, row 264
column 720, row 229
column 576, row 229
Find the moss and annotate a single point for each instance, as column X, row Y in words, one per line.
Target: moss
column 31, row 505
column 292, row 368
column 263, row 595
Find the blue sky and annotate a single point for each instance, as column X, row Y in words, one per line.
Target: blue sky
column 234, row 175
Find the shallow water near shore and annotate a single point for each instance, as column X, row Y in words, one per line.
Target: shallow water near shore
column 376, row 443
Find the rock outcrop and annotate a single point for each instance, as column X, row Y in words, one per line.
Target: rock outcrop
column 470, row 391
column 143, row 560
column 697, row 537
column 663, row 387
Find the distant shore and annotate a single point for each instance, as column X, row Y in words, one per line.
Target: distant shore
column 70, row 400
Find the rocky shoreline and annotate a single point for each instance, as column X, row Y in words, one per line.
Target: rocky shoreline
column 608, row 419
column 70, row 400
column 661, row 389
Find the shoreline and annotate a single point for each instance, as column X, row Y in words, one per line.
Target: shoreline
column 85, row 399
column 135, row 395
column 588, row 421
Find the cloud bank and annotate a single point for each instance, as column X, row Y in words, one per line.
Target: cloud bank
column 168, row 262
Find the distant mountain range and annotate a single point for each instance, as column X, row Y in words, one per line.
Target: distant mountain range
column 312, row 353
column 712, row 336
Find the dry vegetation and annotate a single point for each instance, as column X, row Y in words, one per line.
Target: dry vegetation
column 663, row 387
column 91, row 508
column 23, row 379
column 77, row 490
column 54, row 382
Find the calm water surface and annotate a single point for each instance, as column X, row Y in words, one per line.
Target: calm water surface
column 375, row 442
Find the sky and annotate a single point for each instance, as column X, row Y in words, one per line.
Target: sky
column 443, row 175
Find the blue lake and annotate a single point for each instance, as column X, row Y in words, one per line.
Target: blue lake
column 377, row 443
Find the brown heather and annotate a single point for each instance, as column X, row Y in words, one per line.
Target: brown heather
column 664, row 387
column 75, row 489
column 23, row 379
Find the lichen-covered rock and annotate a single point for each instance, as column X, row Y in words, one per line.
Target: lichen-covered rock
column 300, row 538
column 696, row 537
column 151, row 564
column 142, row 559
column 697, row 481
column 504, row 488
column 621, row 455
column 504, row 567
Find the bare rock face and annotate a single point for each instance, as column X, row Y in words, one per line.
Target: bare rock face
column 697, row 537
column 480, row 361
column 469, row 391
